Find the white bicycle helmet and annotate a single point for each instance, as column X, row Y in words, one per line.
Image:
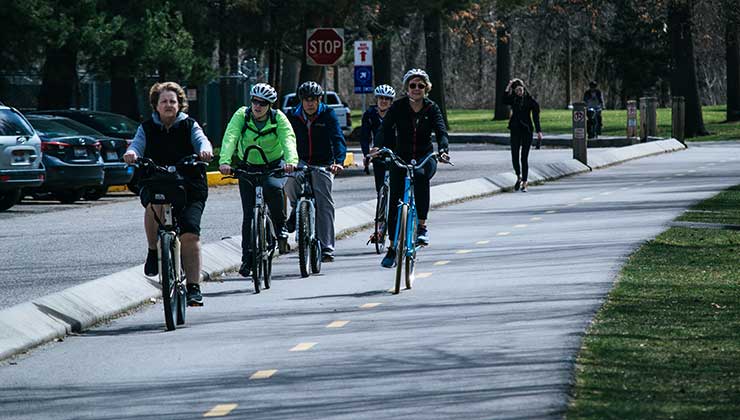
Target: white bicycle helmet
column 264, row 91
column 310, row 89
column 416, row 73
column 385, row 91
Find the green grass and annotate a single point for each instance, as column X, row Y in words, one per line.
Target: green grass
column 666, row 344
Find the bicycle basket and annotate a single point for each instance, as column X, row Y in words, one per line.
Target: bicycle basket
column 163, row 189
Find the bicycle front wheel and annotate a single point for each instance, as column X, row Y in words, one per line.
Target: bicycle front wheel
column 268, row 244
column 401, row 247
column 304, row 237
column 168, row 278
column 410, row 256
column 381, row 219
column 254, row 244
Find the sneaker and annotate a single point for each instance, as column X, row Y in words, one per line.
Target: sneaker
column 283, row 245
column 290, row 223
column 422, row 236
column 518, row 184
column 151, row 267
column 389, row 261
column 194, row 296
column 245, row 269
column 524, row 186
column 327, row 256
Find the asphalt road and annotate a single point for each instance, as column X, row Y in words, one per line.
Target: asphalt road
column 47, row 247
column 490, row 329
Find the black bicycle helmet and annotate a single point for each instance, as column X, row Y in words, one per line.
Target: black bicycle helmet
column 310, row 89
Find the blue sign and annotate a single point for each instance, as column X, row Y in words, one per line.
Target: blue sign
column 363, row 79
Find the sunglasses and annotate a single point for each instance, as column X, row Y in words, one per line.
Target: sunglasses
column 417, row 85
column 259, row 102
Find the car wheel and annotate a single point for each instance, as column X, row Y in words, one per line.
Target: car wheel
column 9, row 198
column 68, row 196
column 95, row 193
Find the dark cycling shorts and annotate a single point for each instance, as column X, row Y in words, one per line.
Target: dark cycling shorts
column 190, row 217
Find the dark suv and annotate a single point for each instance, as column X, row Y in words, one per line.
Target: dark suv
column 20, row 157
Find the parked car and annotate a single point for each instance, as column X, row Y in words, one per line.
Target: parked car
column 20, row 157
column 108, row 123
column 116, row 172
column 73, row 161
column 291, row 101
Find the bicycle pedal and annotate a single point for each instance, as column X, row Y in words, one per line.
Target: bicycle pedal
column 191, row 304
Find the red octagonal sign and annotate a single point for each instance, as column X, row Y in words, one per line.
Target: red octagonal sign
column 324, row 46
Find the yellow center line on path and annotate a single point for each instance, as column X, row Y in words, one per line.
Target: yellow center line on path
column 220, row 410
column 624, row 188
column 369, row 305
column 535, row 219
column 691, row 171
column 443, row 262
column 303, row 346
column 263, row 374
column 605, row 193
column 680, row 174
column 503, row 233
column 551, row 212
column 571, row 204
column 463, row 251
column 483, row 242
column 337, row 324
column 423, row 275
column 520, row 226
column 587, row 199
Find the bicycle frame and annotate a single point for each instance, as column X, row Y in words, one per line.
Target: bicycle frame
column 307, row 196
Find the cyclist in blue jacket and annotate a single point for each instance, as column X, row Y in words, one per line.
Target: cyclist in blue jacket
column 372, row 120
column 320, row 142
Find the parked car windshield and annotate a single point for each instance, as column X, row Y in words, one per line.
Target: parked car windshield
column 59, row 127
column 12, row 124
column 113, row 123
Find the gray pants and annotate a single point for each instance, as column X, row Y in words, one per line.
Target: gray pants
column 322, row 184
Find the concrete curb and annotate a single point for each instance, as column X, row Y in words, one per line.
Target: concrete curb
column 77, row 308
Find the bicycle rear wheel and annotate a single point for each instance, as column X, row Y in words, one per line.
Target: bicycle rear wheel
column 381, row 219
column 254, row 244
column 169, row 280
column 401, row 247
column 269, row 246
column 304, row 237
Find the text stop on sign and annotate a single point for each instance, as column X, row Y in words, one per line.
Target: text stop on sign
column 324, row 46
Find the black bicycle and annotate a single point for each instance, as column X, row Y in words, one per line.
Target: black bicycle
column 382, row 205
column 309, row 246
column 164, row 186
column 263, row 241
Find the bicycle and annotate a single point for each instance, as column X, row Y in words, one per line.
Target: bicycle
column 405, row 243
column 381, row 213
column 164, row 186
column 262, row 241
column 309, row 246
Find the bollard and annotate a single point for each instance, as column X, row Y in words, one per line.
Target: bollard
column 631, row 119
column 579, row 132
column 643, row 119
column 678, row 119
column 652, row 113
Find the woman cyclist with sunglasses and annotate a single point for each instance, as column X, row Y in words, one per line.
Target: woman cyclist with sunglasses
column 269, row 129
column 407, row 130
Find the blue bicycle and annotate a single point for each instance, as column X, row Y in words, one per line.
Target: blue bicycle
column 405, row 242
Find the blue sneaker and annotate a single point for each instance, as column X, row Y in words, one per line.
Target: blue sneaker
column 422, row 235
column 389, row 261
column 195, row 298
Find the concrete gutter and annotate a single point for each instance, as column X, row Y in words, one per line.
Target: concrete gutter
column 552, row 140
column 77, row 308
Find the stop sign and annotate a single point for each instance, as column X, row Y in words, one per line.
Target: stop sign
column 324, row 46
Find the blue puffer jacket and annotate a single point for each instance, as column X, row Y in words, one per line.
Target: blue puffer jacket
column 319, row 139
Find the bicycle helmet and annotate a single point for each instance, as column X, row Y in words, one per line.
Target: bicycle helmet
column 264, row 91
column 416, row 73
column 385, row 91
column 310, row 89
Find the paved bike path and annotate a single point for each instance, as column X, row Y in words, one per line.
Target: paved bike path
column 490, row 329
column 41, row 320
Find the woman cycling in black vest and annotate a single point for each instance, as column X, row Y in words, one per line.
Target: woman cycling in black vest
column 169, row 136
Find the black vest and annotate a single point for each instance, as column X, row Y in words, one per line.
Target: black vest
column 167, row 147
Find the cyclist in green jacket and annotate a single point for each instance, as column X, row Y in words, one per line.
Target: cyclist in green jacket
column 269, row 129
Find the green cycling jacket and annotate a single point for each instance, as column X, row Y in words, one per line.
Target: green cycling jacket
column 276, row 138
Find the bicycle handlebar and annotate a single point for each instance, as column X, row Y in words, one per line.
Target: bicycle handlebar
column 238, row 173
column 402, row 164
column 190, row 160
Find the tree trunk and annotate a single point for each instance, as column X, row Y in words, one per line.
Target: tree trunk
column 433, row 42
column 732, row 46
column 289, row 79
column 568, row 69
column 59, row 81
column 683, row 80
column 123, row 97
column 382, row 60
column 503, row 69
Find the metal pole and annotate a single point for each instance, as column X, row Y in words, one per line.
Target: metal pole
column 579, row 132
column 325, row 89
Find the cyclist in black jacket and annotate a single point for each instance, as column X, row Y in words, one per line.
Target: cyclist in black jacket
column 407, row 130
column 372, row 120
column 524, row 109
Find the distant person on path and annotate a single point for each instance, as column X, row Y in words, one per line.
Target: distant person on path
column 372, row 120
column 594, row 99
column 524, row 109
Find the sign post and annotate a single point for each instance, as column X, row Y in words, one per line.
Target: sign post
column 363, row 69
column 579, row 132
column 324, row 47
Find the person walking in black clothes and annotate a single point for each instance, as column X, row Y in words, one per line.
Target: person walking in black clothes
column 407, row 130
column 524, row 109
